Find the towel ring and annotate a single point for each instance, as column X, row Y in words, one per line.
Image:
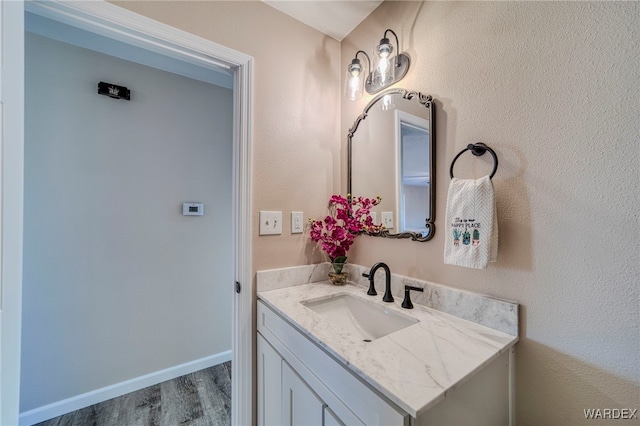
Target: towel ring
column 477, row 149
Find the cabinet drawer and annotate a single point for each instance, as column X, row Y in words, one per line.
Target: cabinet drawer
column 315, row 366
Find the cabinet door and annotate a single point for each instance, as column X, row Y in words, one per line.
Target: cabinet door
column 269, row 384
column 300, row 405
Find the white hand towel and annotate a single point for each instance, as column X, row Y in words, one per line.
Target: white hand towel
column 471, row 238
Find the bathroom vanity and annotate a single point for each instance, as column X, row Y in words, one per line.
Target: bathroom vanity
column 331, row 355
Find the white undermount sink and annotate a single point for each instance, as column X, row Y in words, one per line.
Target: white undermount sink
column 368, row 320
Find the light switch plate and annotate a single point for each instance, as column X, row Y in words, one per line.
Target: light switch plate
column 270, row 223
column 387, row 220
column 374, row 217
column 296, row 223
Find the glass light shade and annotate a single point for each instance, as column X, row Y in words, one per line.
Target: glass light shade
column 354, row 83
column 386, row 103
column 384, row 69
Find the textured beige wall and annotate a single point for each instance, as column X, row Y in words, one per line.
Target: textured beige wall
column 553, row 88
column 296, row 142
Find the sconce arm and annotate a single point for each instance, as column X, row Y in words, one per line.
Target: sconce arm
column 389, row 30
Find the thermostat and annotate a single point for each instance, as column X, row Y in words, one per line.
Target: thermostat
column 192, row 209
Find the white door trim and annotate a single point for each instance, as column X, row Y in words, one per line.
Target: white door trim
column 11, row 181
column 112, row 21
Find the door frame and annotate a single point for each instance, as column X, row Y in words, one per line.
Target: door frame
column 11, row 199
column 120, row 24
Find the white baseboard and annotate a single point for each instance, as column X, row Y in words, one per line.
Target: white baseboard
column 87, row 399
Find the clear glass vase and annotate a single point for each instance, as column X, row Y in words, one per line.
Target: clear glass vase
column 338, row 266
column 338, row 275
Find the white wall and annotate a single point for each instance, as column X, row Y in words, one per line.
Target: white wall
column 117, row 283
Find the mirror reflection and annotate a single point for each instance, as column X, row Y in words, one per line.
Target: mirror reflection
column 391, row 155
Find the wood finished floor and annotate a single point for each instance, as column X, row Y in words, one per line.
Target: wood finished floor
column 202, row 398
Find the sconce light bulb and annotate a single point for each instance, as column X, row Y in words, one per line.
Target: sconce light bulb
column 353, row 86
column 383, row 52
column 383, row 69
column 352, row 91
column 354, row 82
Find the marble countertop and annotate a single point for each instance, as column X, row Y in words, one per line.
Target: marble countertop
column 414, row 367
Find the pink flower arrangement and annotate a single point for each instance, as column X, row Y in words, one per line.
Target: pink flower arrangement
column 347, row 218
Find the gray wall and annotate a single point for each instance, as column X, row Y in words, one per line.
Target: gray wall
column 117, row 283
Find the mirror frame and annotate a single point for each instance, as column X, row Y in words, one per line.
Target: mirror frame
column 427, row 102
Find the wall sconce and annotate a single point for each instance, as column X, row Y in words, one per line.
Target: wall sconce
column 389, row 69
column 354, row 83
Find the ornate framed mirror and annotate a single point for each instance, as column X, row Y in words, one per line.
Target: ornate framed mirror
column 391, row 155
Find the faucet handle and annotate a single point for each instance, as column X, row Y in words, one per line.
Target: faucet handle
column 406, row 303
column 372, row 288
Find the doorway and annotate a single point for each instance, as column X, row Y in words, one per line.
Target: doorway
column 113, row 21
column 119, row 282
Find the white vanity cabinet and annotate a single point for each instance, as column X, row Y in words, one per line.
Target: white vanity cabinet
column 452, row 366
column 300, row 405
column 269, row 384
column 300, row 384
column 283, row 397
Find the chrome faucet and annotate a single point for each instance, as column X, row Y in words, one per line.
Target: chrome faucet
column 371, row 275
